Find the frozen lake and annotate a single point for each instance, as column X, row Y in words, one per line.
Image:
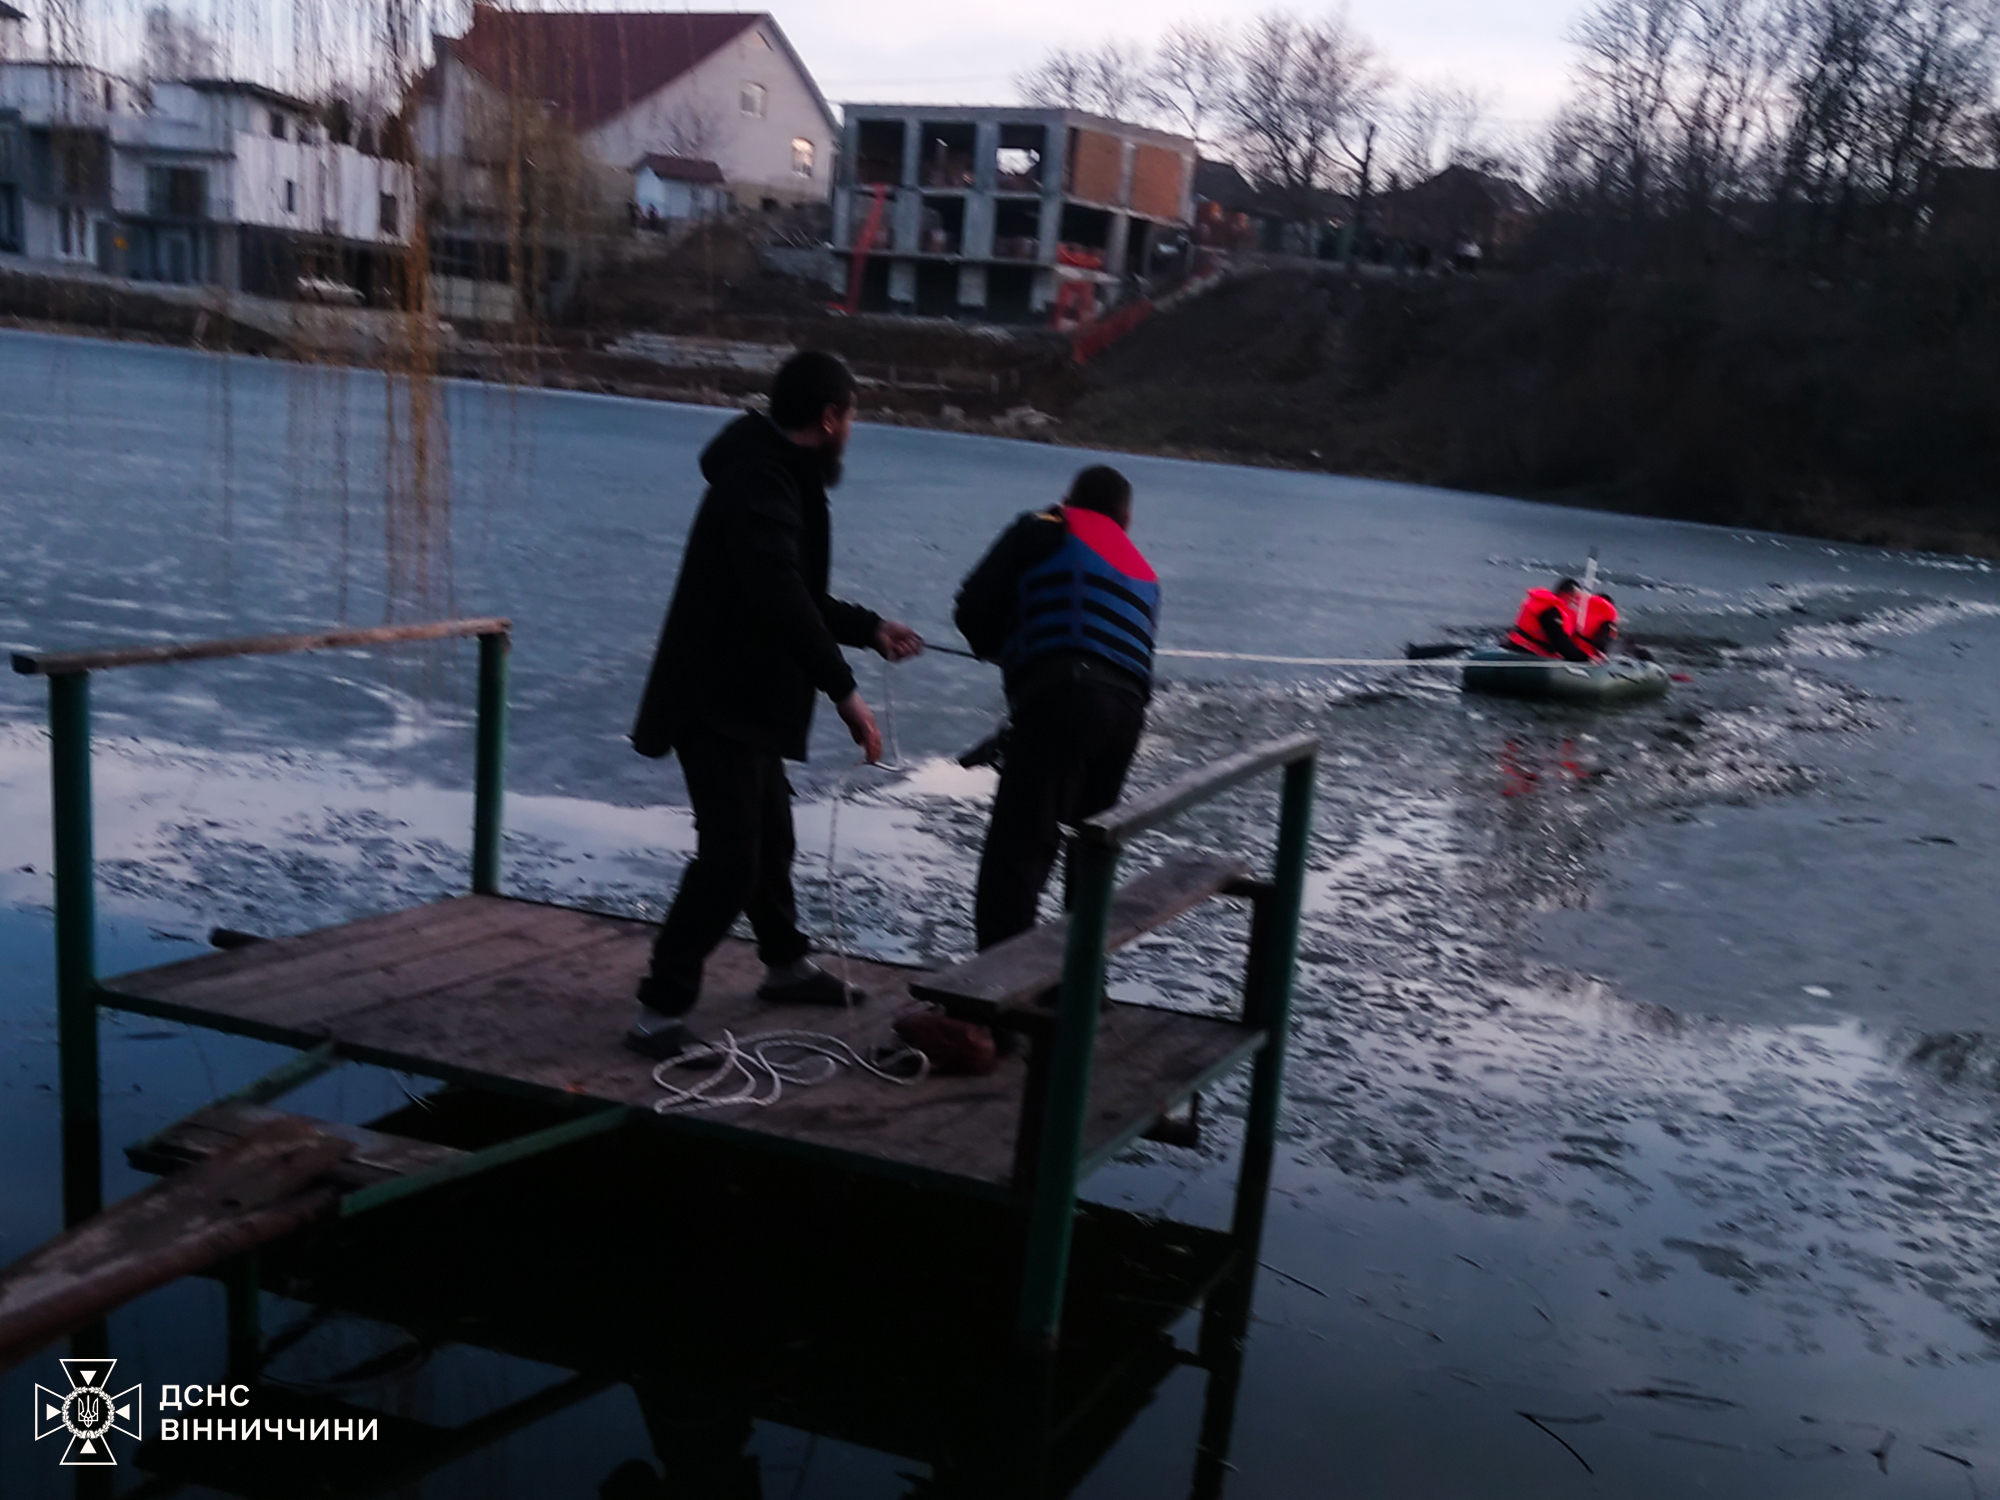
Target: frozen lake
column 1644, row 1073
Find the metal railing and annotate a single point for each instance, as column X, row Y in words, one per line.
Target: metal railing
column 1267, row 1001
column 77, row 989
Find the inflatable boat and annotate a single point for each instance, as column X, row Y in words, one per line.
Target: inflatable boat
column 1517, row 674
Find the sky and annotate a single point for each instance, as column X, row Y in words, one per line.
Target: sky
column 931, row 51
column 955, row 52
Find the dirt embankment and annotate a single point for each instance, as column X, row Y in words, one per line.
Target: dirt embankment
column 1864, row 413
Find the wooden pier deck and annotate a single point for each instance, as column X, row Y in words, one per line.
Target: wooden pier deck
column 531, row 998
column 526, row 1000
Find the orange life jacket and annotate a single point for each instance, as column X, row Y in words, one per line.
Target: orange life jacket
column 1527, row 632
column 1599, row 623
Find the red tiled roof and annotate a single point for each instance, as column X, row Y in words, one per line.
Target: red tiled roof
column 681, row 168
column 592, row 67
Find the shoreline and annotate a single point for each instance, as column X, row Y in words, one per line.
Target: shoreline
column 556, row 369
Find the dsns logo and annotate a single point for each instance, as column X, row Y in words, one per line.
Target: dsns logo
column 88, row 1411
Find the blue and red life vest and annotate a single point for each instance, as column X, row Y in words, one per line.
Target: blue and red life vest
column 1095, row 593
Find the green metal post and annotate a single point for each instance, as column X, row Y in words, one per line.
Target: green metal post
column 1275, row 955
column 490, row 773
column 76, row 946
column 1075, row 1040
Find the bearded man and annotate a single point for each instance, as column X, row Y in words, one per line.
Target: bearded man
column 750, row 639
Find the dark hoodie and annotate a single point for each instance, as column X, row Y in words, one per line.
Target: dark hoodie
column 752, row 633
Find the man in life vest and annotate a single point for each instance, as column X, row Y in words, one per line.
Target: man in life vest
column 1546, row 625
column 1597, row 625
column 1067, row 606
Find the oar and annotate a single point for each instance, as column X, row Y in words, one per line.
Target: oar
column 1432, row 650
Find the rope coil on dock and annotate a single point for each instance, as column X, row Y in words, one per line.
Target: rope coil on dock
column 774, row 1058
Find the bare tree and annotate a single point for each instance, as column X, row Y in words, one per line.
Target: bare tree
column 1838, row 114
column 1190, row 79
column 1117, row 78
column 1061, row 80
column 1301, row 101
column 1443, row 124
column 177, row 46
column 1106, row 80
column 1628, row 50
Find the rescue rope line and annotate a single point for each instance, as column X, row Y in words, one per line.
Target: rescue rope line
column 1313, row 661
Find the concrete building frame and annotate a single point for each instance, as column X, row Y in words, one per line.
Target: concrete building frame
column 988, row 211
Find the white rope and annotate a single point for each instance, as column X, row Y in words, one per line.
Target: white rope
column 1362, row 661
column 748, row 1066
column 1324, row 661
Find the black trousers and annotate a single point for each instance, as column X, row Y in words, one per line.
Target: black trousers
column 1067, row 754
column 742, row 863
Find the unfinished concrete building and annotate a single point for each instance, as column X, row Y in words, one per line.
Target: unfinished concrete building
column 1005, row 213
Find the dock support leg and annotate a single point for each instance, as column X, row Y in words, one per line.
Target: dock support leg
column 490, row 770
column 1274, row 939
column 76, row 946
column 245, row 1315
column 1054, row 1204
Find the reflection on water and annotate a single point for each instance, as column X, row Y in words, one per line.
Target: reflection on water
column 1643, row 1081
column 723, row 1303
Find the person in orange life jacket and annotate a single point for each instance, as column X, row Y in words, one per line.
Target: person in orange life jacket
column 1545, row 625
column 1597, row 625
column 1068, row 607
column 751, row 638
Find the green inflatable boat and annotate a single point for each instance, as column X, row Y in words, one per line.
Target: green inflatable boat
column 1517, row 674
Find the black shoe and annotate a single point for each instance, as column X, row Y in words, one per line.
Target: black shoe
column 817, row 988
column 660, row 1037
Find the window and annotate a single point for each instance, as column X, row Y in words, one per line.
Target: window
column 802, row 157
column 388, row 216
column 751, row 101
column 176, row 192
column 277, row 125
column 291, row 197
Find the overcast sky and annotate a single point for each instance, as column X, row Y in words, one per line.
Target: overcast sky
column 963, row 52
column 932, row 51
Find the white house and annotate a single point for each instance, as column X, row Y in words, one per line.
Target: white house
column 13, row 24
column 203, row 181
column 720, row 87
column 217, row 153
column 667, row 189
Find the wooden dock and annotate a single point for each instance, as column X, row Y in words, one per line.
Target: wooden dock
column 529, row 998
column 529, row 1001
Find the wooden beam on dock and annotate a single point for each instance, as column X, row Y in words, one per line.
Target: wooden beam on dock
column 261, row 1188
column 1005, row 984
column 69, row 663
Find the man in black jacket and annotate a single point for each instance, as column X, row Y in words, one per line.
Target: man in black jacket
column 1067, row 606
column 750, row 637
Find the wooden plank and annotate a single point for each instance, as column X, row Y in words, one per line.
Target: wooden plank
column 65, row 663
column 163, row 980
column 372, row 1155
column 1128, row 819
column 312, row 994
column 258, row 1190
column 1148, row 1061
column 549, row 1021
column 1013, row 975
column 559, row 1024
